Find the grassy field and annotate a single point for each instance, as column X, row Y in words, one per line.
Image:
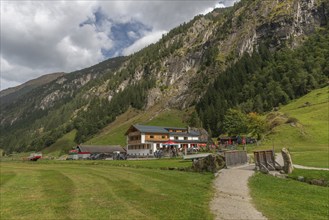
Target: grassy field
column 151, row 164
column 308, row 138
column 289, row 199
column 96, row 191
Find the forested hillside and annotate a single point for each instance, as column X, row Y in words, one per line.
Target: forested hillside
column 264, row 80
column 253, row 56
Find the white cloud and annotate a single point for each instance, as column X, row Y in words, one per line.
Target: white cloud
column 40, row 37
column 5, row 65
column 218, row 5
column 143, row 42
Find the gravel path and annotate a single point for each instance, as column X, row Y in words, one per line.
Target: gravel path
column 279, row 159
column 232, row 199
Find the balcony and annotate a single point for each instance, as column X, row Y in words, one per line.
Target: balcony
column 135, row 133
column 134, row 142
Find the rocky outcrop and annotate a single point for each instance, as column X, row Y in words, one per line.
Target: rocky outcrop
column 289, row 23
column 287, row 161
column 212, row 163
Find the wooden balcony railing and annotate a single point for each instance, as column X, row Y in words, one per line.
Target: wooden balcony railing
column 134, row 142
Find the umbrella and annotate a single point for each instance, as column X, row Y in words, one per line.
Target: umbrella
column 170, row 142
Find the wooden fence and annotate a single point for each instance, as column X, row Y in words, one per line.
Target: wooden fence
column 265, row 160
column 235, row 157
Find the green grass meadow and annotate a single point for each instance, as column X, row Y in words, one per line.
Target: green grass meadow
column 311, row 175
column 97, row 191
column 289, row 199
column 308, row 140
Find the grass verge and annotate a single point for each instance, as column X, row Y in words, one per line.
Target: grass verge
column 311, row 175
column 288, row 199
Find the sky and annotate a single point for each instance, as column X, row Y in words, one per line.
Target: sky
column 41, row 37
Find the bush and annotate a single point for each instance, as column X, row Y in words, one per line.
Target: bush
column 292, row 120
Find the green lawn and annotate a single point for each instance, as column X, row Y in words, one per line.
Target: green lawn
column 308, row 139
column 85, row 191
column 151, row 164
column 311, row 158
column 289, row 199
column 311, row 175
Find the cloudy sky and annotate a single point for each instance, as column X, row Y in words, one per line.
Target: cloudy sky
column 40, row 37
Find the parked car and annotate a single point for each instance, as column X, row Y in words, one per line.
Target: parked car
column 250, row 140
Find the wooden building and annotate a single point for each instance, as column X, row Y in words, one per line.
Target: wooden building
column 145, row 140
column 85, row 151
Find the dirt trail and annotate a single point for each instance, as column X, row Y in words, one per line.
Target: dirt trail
column 232, row 199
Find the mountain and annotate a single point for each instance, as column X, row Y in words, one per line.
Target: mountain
column 11, row 94
column 214, row 62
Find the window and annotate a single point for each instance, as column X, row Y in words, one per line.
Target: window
column 185, row 138
column 151, row 136
column 176, row 138
column 163, row 137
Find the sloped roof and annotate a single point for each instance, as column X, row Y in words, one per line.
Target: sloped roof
column 101, row 148
column 151, row 129
column 192, row 133
column 163, row 130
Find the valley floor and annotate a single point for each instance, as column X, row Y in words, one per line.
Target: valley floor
column 143, row 190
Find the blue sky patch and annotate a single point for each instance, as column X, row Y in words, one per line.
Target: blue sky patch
column 122, row 34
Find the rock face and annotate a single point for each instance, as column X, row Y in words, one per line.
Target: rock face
column 287, row 167
column 211, row 163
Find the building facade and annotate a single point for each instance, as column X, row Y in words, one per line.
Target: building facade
column 144, row 140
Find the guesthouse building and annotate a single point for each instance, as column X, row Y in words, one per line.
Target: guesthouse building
column 144, row 140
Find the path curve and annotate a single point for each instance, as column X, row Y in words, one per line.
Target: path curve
column 309, row 168
column 232, row 199
column 279, row 159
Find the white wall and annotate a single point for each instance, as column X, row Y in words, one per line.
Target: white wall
column 154, row 147
column 140, row 152
column 83, row 156
column 142, row 138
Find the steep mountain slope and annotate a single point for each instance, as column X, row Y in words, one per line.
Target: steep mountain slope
column 11, row 94
column 173, row 73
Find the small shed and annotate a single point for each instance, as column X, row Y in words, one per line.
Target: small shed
column 85, row 151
